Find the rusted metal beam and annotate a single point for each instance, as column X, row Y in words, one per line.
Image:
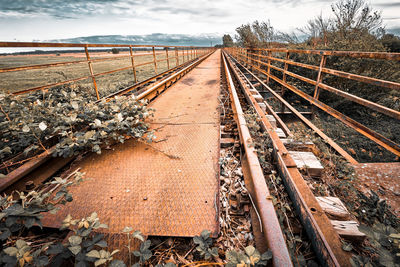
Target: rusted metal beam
column 285, row 69
column 26, row 168
column 36, row 44
column 166, row 51
column 155, row 61
column 177, row 56
column 133, row 64
column 355, row 54
column 272, row 231
column 91, row 72
column 319, row 80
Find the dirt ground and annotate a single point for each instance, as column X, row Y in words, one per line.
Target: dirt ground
column 383, row 179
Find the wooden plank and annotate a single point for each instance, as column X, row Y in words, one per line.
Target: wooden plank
column 308, row 161
column 226, row 142
column 280, row 133
column 334, row 207
column 271, row 120
column 348, row 230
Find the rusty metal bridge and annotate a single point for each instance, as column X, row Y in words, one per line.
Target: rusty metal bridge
column 171, row 187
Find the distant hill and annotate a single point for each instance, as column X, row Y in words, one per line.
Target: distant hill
column 155, row 38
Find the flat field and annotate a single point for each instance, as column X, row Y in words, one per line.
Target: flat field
column 20, row 80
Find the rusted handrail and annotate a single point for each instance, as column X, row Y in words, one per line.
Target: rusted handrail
column 355, row 54
column 247, row 56
column 152, row 49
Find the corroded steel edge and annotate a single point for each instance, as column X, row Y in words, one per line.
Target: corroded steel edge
column 272, row 230
column 324, row 238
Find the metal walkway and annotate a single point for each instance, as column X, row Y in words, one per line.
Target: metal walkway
column 168, row 188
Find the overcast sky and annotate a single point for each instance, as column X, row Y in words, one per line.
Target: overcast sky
column 27, row 20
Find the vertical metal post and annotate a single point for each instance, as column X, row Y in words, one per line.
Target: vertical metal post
column 319, row 79
column 187, row 54
column 155, row 60
column 284, row 79
column 166, row 50
column 176, row 56
column 91, row 72
column 269, row 64
column 133, row 63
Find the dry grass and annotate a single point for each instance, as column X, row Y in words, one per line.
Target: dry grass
column 20, row 80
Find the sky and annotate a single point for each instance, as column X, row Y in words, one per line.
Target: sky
column 43, row 20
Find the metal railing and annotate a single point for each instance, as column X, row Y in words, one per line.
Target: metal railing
column 261, row 60
column 180, row 56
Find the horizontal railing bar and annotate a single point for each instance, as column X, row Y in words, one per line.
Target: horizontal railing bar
column 145, row 63
column 382, row 109
column 33, row 44
column 355, row 54
column 50, row 85
column 112, row 71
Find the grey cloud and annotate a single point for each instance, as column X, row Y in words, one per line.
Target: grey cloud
column 201, row 12
column 60, row 9
column 388, row 4
column 155, row 38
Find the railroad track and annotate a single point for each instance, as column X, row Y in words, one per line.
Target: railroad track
column 326, row 243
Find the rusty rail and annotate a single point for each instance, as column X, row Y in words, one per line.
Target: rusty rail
column 155, row 50
column 325, row 240
column 269, row 220
column 247, row 56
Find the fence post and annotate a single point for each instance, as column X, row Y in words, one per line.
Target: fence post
column 91, row 72
column 319, row 79
column 166, row 49
column 269, row 64
column 176, row 56
column 155, row 60
column 133, row 63
column 284, row 79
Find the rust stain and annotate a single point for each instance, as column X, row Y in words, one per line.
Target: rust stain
column 383, row 179
column 168, row 188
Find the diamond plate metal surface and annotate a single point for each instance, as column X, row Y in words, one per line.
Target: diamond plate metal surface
column 168, row 188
